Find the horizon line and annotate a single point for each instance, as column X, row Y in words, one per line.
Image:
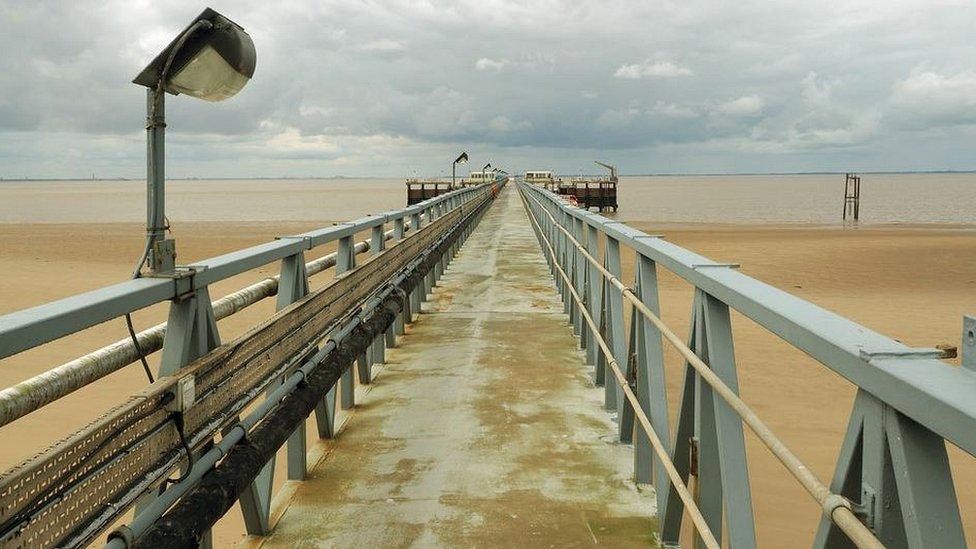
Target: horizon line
column 649, row 174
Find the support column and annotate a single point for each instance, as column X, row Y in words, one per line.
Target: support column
column 718, row 442
column 255, row 500
column 404, row 317
column 345, row 261
column 897, row 472
column 594, row 298
column 614, row 320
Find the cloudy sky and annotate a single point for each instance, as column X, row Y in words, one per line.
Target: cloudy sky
column 393, row 88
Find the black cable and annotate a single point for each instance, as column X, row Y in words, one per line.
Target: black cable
column 157, row 91
column 177, row 418
column 137, row 273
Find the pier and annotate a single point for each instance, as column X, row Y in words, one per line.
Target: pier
column 419, row 190
column 470, row 437
column 592, row 192
column 476, row 370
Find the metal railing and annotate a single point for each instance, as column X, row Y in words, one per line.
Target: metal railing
column 72, row 491
column 908, row 402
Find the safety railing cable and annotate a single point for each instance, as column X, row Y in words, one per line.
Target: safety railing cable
column 834, row 506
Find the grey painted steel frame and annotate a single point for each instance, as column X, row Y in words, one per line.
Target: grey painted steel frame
column 192, row 329
column 29, row 328
column 889, row 453
column 255, row 500
column 912, row 380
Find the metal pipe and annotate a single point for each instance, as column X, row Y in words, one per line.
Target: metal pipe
column 124, row 536
column 33, row 393
column 834, row 506
column 142, row 521
column 155, row 172
column 38, row 391
column 703, row 530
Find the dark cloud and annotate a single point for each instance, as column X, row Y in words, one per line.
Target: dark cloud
column 388, row 87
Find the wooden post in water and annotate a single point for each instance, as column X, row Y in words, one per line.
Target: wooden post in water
column 852, row 196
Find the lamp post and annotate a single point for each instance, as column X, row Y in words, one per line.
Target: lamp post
column 212, row 59
column 483, row 169
column 459, row 160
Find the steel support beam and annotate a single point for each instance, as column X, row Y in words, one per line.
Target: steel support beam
column 614, row 318
column 346, row 261
column 897, row 473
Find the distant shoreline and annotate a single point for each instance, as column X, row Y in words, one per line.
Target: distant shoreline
column 343, row 177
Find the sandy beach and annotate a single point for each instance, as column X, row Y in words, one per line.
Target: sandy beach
column 824, row 149
column 912, row 283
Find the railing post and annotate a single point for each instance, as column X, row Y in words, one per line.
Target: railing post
column 560, row 245
column 456, row 245
column 405, row 315
column 417, row 297
column 191, row 332
column 430, row 279
column 594, row 298
column 567, row 262
column 614, row 334
column 378, row 348
column 897, row 473
column 719, row 444
column 438, row 270
column 648, row 378
column 445, row 257
column 554, row 254
column 579, row 267
column 256, row 498
column 345, row 261
column 293, row 286
column 671, row 510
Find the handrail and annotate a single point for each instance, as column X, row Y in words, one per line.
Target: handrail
column 913, row 380
column 696, row 516
column 365, row 320
column 28, row 328
column 834, row 506
column 38, row 391
column 99, row 471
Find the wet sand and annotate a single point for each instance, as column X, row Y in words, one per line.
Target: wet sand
column 912, row 283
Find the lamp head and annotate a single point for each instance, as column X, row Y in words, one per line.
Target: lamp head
column 461, row 159
column 213, row 62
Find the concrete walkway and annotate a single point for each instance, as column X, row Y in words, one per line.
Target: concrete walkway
column 483, row 429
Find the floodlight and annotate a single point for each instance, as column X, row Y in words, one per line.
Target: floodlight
column 212, row 59
column 459, row 160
